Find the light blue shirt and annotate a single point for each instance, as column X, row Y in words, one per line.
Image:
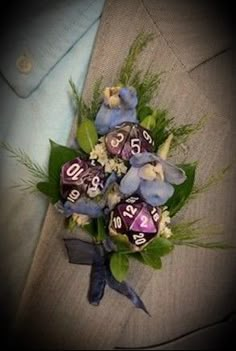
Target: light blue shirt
column 57, row 40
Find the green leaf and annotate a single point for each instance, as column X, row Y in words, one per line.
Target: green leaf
column 58, row 157
column 151, row 260
column 119, row 265
column 149, row 122
column 143, row 112
column 91, row 228
column 71, row 224
column 158, row 247
column 122, row 243
column 182, row 191
column 49, row 189
column 137, row 256
column 87, row 136
column 101, row 229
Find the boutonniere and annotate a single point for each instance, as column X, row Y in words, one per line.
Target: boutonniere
column 119, row 184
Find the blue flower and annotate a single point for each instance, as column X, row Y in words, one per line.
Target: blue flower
column 118, row 107
column 85, row 205
column 128, row 97
column 152, row 178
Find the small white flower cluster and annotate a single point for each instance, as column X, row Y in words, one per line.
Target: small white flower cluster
column 100, row 154
column 165, row 231
column 80, row 219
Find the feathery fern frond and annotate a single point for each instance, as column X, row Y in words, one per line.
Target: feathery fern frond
column 188, row 235
column 21, row 157
column 129, row 65
column 83, row 109
column 26, row 185
column 211, row 181
column 96, row 98
column 183, row 132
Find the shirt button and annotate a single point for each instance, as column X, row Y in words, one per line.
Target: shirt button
column 24, row 64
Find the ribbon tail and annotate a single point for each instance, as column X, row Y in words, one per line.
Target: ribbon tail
column 126, row 290
column 97, row 280
column 80, row 252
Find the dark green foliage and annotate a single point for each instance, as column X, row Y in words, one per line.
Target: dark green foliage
column 59, row 155
column 182, row 191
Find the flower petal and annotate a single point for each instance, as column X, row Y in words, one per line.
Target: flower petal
column 84, row 206
column 110, row 180
column 140, row 160
column 130, row 182
column 103, row 120
column 125, row 116
column 128, row 97
column 108, row 118
column 156, row 192
column 172, row 174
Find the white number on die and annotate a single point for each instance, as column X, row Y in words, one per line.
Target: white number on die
column 117, row 222
column 95, row 183
column 74, row 171
column 131, row 200
column 135, row 146
column 130, row 211
column 139, row 239
column 144, row 221
column 93, row 162
column 155, row 214
column 74, row 195
column 147, row 137
column 117, row 140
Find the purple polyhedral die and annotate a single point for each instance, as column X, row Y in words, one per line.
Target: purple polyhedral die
column 128, row 139
column 78, row 176
column 137, row 220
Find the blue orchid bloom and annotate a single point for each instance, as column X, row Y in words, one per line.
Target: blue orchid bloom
column 151, row 177
column 118, row 107
column 85, row 205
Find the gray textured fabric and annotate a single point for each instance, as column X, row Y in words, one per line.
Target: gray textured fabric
column 194, row 287
column 215, row 77
column 195, row 30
